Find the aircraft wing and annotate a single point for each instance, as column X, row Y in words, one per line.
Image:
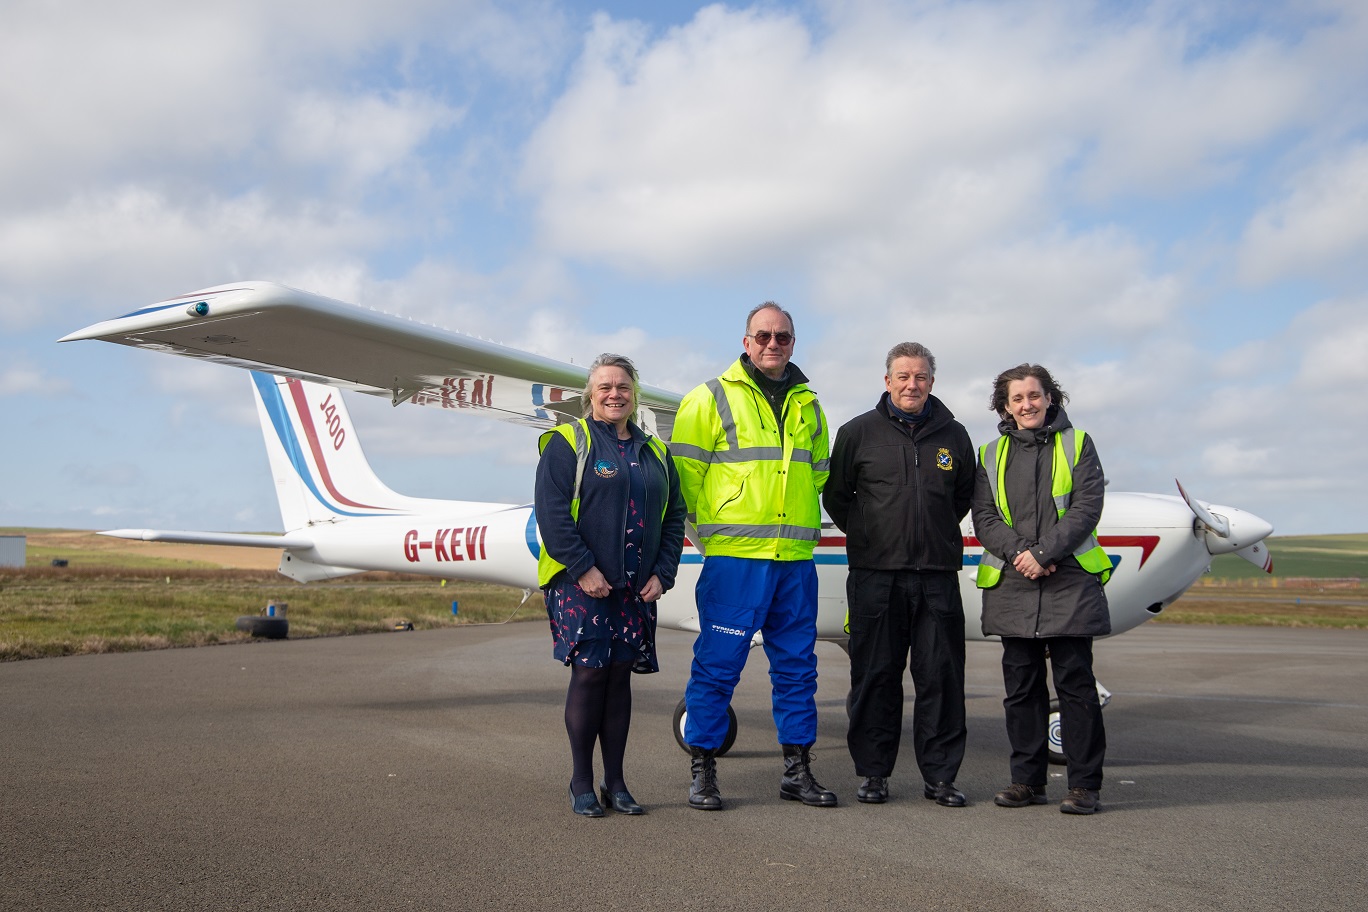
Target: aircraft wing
column 269, row 327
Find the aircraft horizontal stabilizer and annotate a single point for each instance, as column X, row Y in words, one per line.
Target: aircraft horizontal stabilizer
column 236, row 539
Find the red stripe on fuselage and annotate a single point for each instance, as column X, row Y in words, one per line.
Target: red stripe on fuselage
column 310, row 434
column 1146, row 543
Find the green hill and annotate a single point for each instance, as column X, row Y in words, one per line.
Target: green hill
column 1318, row 556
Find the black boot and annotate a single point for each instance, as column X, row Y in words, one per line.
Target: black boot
column 703, row 793
column 798, row 784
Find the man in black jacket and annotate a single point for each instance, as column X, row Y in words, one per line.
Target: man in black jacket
column 902, row 479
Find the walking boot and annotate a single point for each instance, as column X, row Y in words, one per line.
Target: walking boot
column 703, row 793
column 1081, row 801
column 798, row 784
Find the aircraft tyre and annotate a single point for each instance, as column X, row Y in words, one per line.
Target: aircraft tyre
column 1056, row 741
column 681, row 713
column 270, row 628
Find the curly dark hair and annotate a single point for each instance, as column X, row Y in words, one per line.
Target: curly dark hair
column 998, row 400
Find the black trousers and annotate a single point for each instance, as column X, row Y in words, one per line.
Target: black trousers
column 1028, row 708
column 897, row 615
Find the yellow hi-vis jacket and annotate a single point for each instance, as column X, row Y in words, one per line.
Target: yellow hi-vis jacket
column 751, row 488
column 1068, row 444
column 576, row 433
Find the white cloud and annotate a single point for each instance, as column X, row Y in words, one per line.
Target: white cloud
column 1318, row 224
column 154, row 85
column 742, row 135
column 127, row 235
column 21, row 378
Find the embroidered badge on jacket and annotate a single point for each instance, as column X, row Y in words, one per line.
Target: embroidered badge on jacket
column 604, row 469
column 944, row 460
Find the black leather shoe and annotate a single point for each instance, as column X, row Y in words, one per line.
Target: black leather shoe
column 1018, row 795
column 874, row 790
column 1081, row 801
column 945, row 794
column 622, row 802
column 585, row 805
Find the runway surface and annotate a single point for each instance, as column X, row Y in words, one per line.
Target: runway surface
column 428, row 771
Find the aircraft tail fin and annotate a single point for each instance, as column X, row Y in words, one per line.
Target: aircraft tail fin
column 321, row 473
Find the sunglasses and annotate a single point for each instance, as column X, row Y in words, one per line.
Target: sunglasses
column 762, row 338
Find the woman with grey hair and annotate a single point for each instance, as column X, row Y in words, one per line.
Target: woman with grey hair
column 612, row 527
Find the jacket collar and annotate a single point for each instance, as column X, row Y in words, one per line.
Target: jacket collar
column 742, row 369
column 938, row 414
column 1056, row 420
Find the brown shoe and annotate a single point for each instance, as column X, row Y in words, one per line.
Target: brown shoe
column 1080, row 801
column 1017, row 795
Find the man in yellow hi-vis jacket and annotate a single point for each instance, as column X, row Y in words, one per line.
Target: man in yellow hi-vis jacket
column 751, row 447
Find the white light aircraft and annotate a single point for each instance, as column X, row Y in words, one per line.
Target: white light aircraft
column 340, row 519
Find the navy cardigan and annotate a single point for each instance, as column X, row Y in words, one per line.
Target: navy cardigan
column 599, row 538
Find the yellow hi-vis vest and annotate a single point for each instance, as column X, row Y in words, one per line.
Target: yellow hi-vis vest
column 576, row 433
column 1068, row 445
column 751, row 487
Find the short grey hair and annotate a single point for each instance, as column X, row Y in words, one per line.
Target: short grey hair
column 772, row 306
column 608, row 359
column 910, row 350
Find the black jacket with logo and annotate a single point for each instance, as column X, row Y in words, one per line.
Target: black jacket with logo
column 899, row 492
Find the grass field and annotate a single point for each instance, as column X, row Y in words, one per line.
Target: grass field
column 116, row 595
column 1302, row 556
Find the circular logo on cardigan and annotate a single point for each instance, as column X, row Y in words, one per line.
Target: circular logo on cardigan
column 604, row 469
column 944, row 460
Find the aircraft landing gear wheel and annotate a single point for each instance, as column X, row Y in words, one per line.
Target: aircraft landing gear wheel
column 1055, row 740
column 681, row 713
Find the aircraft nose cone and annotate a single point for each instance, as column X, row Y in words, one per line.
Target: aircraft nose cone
column 1245, row 529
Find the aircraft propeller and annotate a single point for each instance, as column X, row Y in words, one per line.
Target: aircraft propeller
column 1231, row 531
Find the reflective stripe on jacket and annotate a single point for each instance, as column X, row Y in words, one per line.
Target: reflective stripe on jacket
column 751, row 488
column 1068, row 444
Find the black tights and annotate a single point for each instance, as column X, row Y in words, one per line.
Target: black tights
column 598, row 707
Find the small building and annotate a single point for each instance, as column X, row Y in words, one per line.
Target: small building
column 13, row 550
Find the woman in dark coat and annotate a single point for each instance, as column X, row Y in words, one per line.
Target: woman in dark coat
column 612, row 526
column 1037, row 501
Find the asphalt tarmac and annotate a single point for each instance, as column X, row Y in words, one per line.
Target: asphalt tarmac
column 428, row 770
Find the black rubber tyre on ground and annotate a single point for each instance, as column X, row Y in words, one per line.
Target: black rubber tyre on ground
column 265, row 627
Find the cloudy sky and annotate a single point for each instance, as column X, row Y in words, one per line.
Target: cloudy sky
column 1164, row 202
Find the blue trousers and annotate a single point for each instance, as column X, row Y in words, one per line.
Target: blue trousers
column 736, row 597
